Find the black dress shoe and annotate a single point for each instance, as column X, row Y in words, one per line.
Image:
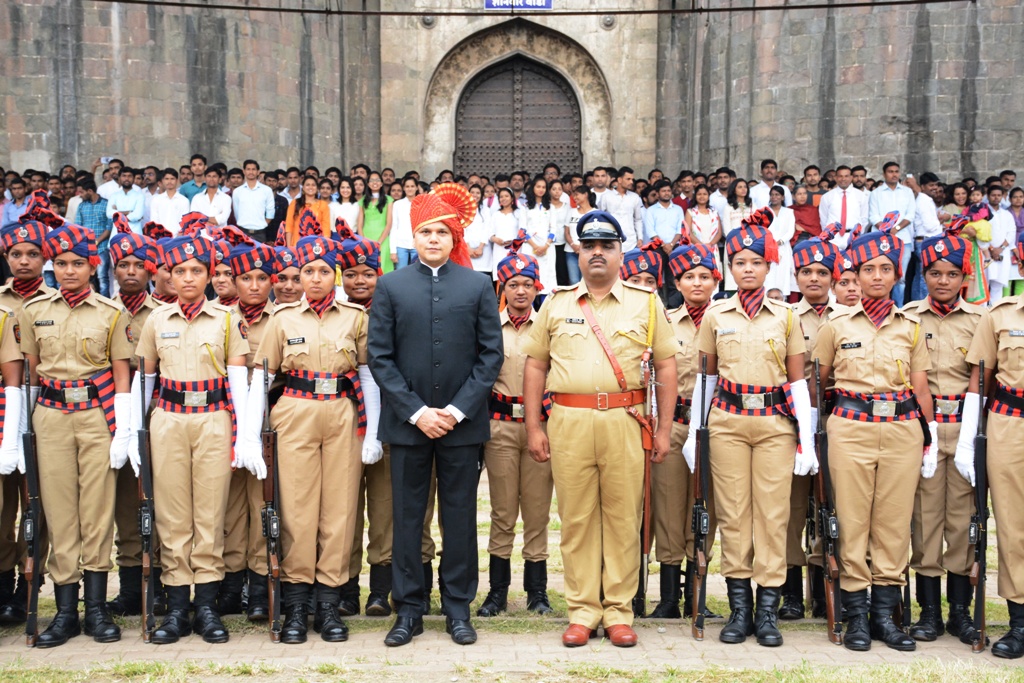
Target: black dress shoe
column 403, row 631
column 461, row 631
column 207, row 624
column 328, row 625
column 174, row 627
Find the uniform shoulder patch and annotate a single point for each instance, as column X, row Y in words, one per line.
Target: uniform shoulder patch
column 128, row 333
column 17, row 333
column 243, row 329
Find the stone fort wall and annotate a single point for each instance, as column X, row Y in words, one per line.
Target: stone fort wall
column 935, row 86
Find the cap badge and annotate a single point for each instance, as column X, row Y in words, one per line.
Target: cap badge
column 520, row 264
column 64, row 244
column 286, row 257
column 884, row 246
column 643, row 264
column 748, row 240
column 23, row 233
column 847, row 263
column 258, row 263
column 361, row 259
column 695, row 258
column 190, row 248
column 318, row 249
column 940, row 247
column 818, row 256
column 125, row 245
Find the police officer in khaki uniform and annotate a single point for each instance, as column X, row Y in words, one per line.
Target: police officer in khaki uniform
column 755, row 356
column 320, row 344
column 199, row 348
column 880, row 361
column 999, row 341
column 134, row 260
column 163, row 290
column 696, row 274
column 596, row 445
column 11, row 397
column 78, row 346
column 516, row 482
column 23, row 249
column 245, row 548
column 944, row 504
column 813, row 260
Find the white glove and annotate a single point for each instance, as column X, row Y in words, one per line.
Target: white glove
column 238, row 380
column 964, row 458
column 9, row 450
column 134, row 457
column 814, row 420
column 34, row 396
column 122, row 430
column 696, row 418
column 806, row 461
column 373, row 451
column 249, row 449
column 371, row 402
column 931, row 454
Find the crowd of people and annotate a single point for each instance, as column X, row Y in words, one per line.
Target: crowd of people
column 415, row 332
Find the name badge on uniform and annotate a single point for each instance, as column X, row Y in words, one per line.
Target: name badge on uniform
column 43, row 323
column 575, row 321
column 296, row 340
column 928, row 335
column 807, row 337
column 1013, row 333
column 722, row 331
column 850, row 345
column 170, row 335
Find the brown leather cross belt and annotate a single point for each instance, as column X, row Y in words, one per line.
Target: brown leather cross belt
column 601, row 401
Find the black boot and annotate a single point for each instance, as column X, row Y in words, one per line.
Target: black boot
column 929, row 596
column 766, row 619
column 687, row 590
column 128, row 602
column 855, row 618
column 535, row 583
column 98, row 623
column 159, row 592
column 428, row 586
column 818, row 605
column 295, row 603
column 229, row 597
column 959, row 594
column 176, row 624
column 741, row 603
column 65, row 624
column 326, row 622
column 13, row 611
column 496, row 602
column 884, row 600
column 1011, row 645
column 668, row 602
column 348, row 601
column 793, row 595
column 258, row 608
column 207, row 621
column 377, row 604
column 6, row 586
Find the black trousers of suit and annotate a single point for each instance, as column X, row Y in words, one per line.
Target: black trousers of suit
column 458, row 474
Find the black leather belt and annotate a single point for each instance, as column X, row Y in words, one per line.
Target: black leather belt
column 193, row 398
column 877, row 408
column 776, row 397
column 69, row 394
column 516, row 410
column 335, row 386
column 1004, row 396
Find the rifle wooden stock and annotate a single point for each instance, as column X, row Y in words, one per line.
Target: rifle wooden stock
column 828, row 521
column 147, row 513
column 701, row 520
column 271, row 518
column 33, row 513
column 979, row 521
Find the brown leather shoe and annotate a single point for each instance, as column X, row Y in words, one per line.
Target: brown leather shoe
column 621, row 635
column 576, row 635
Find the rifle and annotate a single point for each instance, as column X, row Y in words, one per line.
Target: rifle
column 270, row 515
column 828, row 522
column 647, row 436
column 33, row 513
column 147, row 513
column 978, row 534
column 700, row 523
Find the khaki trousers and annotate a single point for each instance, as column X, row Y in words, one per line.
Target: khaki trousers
column 752, row 466
column 875, row 469
column 517, row 483
column 319, row 458
column 191, row 476
column 597, row 462
column 672, row 504
column 1006, row 482
column 796, row 554
column 76, row 486
column 244, row 544
column 126, row 519
column 942, row 512
column 13, row 549
column 375, row 497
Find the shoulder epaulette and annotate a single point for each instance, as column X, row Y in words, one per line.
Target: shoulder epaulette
column 567, row 288
column 973, row 309
column 41, row 296
column 349, row 304
column 641, row 288
column 912, row 316
column 116, row 305
column 284, row 307
column 220, row 307
column 1004, row 302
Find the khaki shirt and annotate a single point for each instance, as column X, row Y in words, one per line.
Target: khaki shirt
column 296, row 338
column 192, row 351
column 137, row 322
column 999, row 342
column 74, row 343
column 751, row 351
column 687, row 358
column 866, row 360
column 947, row 340
column 561, row 335
column 510, row 379
column 12, row 300
column 254, row 332
column 10, row 350
column 811, row 323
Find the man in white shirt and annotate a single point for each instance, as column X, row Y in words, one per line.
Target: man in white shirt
column 294, row 187
column 719, row 201
column 1004, row 234
column 665, row 220
column 627, row 208
column 169, row 206
column 128, row 200
column 111, row 186
column 759, row 192
column 845, row 205
column 602, row 179
column 151, row 183
column 213, row 201
column 926, row 224
column 253, row 203
column 888, row 196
